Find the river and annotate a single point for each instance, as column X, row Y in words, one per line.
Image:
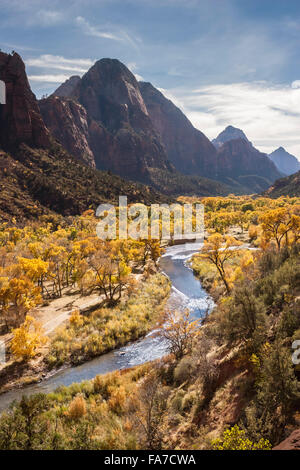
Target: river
column 187, row 293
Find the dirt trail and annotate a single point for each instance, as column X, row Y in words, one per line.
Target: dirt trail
column 59, row 310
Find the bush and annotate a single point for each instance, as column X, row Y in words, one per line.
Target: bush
column 77, row 408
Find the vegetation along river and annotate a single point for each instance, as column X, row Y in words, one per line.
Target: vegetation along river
column 187, row 293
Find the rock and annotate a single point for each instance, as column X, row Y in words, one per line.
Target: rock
column 187, row 148
column 20, row 118
column 230, row 133
column 289, row 186
column 66, row 89
column 291, row 443
column 68, row 123
column 239, row 160
column 121, row 134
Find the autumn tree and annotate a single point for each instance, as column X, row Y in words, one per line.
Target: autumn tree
column 17, row 297
column 27, row 339
column 276, row 224
column 110, row 269
column 35, row 269
column 179, row 332
column 147, row 407
column 218, row 250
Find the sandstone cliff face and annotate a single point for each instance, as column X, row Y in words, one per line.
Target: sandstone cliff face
column 68, row 123
column 66, row 89
column 20, row 119
column 121, row 134
column 239, row 158
column 187, row 148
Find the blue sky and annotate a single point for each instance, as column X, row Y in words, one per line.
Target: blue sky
column 222, row 61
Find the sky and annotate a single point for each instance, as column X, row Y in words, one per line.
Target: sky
column 223, row 62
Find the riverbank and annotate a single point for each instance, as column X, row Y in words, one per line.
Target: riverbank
column 186, row 293
column 92, row 334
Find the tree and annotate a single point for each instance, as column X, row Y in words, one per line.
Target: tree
column 17, row 297
column 219, row 250
column 244, row 318
column 179, row 332
column 148, row 407
column 27, row 339
column 277, row 224
column 110, row 269
column 35, row 269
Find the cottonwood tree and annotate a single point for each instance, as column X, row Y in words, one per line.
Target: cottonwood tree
column 27, row 339
column 179, row 332
column 276, row 225
column 218, row 250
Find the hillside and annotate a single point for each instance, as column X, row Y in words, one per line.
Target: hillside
column 38, row 181
column 288, row 186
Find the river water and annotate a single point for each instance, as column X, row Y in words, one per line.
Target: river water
column 187, row 293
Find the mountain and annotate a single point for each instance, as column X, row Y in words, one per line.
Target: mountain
column 20, row 118
column 106, row 116
column 68, row 122
column 284, row 161
column 37, row 176
column 187, row 148
column 66, row 89
column 230, row 133
column 288, row 186
column 121, row 135
column 242, row 166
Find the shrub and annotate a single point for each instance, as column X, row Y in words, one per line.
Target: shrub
column 77, row 408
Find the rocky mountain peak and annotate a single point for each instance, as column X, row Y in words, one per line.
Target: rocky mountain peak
column 66, row 89
column 109, row 83
column 230, row 133
column 284, row 161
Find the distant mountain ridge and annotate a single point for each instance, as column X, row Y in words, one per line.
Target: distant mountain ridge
column 241, row 165
column 284, row 161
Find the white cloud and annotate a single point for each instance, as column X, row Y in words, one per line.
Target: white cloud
column 269, row 114
column 48, row 17
column 48, row 78
column 112, row 32
column 132, row 66
column 49, row 61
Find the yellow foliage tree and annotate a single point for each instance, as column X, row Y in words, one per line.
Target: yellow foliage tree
column 219, row 250
column 278, row 223
column 27, row 339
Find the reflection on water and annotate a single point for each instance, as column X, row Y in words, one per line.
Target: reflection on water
column 187, row 293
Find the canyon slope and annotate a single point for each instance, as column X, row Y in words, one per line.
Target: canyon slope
column 190, row 151
column 288, row 186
